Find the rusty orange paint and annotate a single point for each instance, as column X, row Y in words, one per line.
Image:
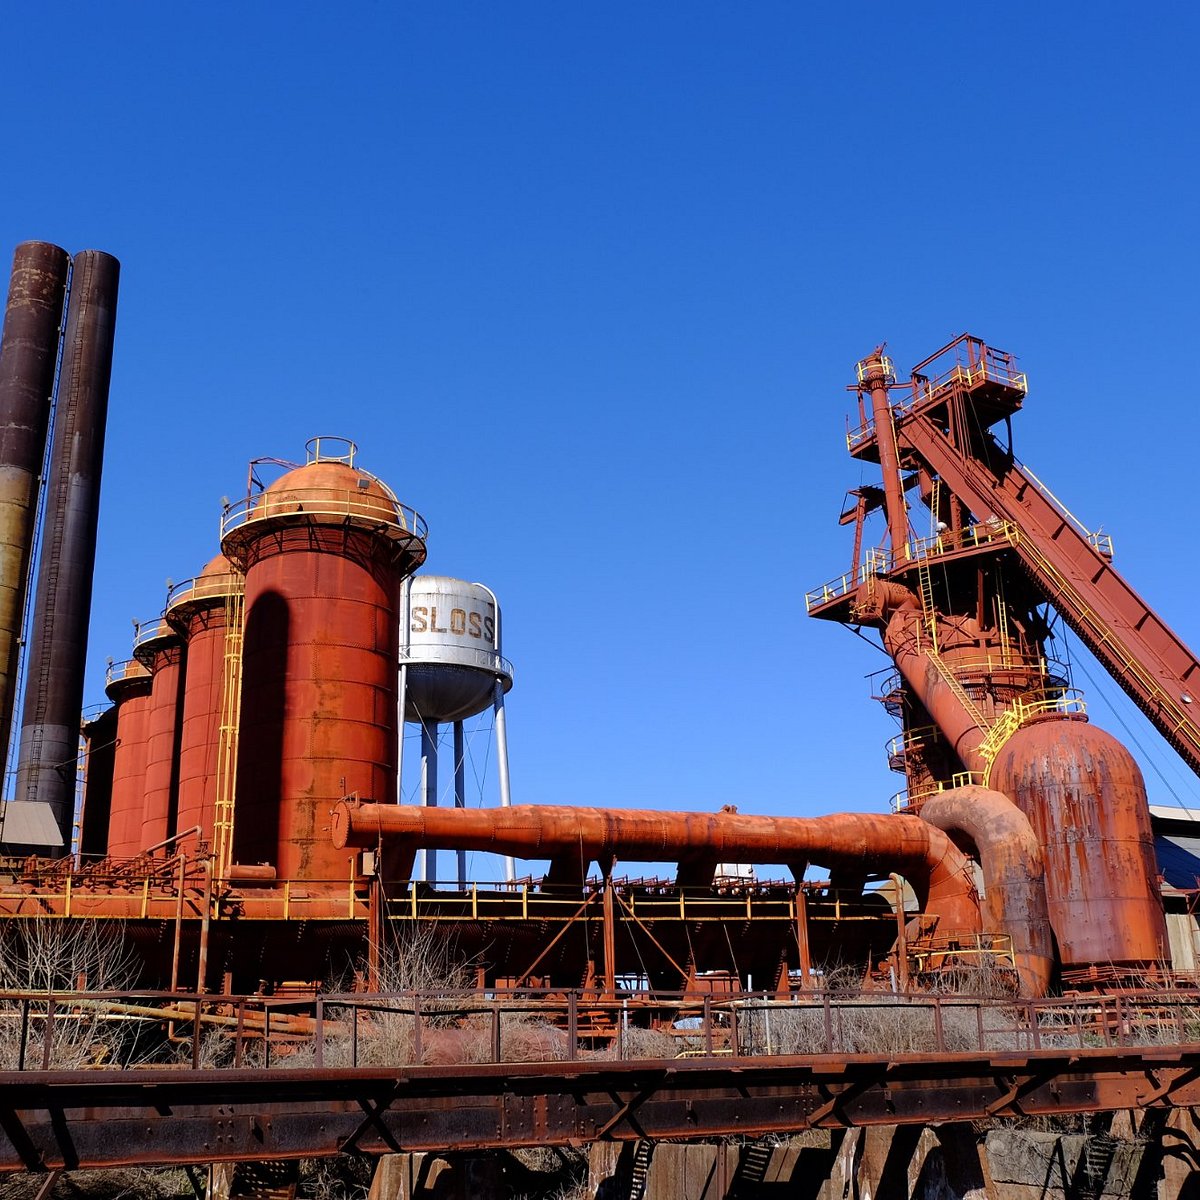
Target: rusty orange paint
column 100, row 736
column 200, row 616
column 163, row 657
column 938, row 871
column 319, row 674
column 989, row 826
column 130, row 692
column 1086, row 800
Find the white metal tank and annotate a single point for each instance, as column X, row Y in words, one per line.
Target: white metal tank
column 450, row 647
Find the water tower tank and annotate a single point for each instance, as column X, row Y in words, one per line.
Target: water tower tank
column 451, row 647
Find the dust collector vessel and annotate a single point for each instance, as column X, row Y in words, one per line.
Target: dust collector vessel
column 324, row 550
column 201, row 609
column 129, row 689
column 1086, row 800
column 160, row 650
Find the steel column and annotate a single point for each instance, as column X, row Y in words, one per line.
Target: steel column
column 429, row 791
column 460, row 794
column 510, row 872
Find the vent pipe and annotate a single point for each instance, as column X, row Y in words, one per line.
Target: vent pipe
column 28, row 358
column 58, row 631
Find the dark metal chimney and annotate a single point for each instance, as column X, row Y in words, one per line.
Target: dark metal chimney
column 57, row 633
column 28, row 358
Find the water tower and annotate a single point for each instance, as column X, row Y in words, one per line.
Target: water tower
column 451, row 668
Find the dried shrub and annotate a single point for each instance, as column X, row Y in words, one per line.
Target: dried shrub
column 42, row 956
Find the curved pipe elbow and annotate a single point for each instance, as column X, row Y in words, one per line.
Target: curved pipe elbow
column 1013, row 874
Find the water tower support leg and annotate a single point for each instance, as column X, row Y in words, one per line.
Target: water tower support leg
column 401, row 702
column 429, row 788
column 460, row 794
column 502, row 765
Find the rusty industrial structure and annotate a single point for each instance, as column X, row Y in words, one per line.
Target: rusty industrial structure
column 241, row 819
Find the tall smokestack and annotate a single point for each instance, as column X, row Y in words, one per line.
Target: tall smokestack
column 58, row 631
column 28, row 358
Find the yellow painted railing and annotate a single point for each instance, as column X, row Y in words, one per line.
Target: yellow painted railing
column 926, row 390
column 1015, row 715
column 906, row 801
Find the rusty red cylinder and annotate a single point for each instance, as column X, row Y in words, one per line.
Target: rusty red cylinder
column 198, row 610
column 324, row 550
column 1086, row 800
column 100, row 741
column 162, row 653
column 128, row 689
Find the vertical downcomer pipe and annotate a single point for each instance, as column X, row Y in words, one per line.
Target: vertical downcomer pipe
column 28, row 358
column 62, row 602
column 875, row 379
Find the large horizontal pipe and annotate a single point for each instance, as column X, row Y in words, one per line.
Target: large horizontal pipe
column 863, row 841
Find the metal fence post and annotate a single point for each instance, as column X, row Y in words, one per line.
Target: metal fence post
column 241, row 1025
column 319, row 1053
column 573, row 1026
column 46, row 1034
column 24, row 1033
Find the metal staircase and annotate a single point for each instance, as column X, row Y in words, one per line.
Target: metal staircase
column 639, row 1174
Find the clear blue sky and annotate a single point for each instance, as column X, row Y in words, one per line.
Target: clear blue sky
column 586, row 283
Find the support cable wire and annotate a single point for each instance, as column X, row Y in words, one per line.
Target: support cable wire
column 1149, row 757
column 485, row 725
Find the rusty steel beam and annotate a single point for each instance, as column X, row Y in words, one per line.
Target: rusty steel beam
column 1149, row 661
column 85, row 1119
